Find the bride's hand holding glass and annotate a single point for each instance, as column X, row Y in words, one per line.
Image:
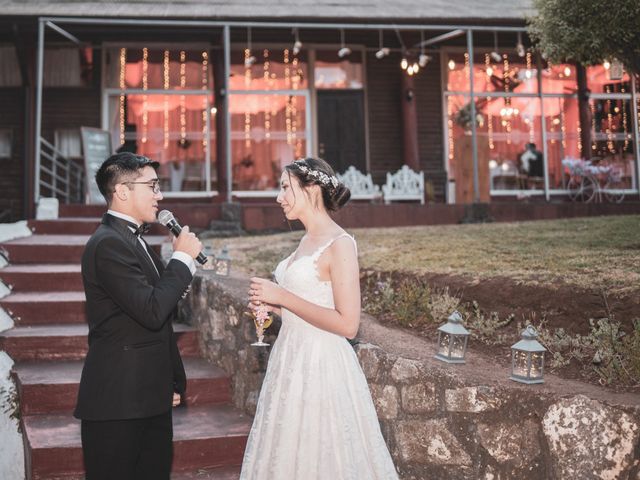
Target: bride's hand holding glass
column 265, row 291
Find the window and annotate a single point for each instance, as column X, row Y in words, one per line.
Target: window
column 6, row 143
column 332, row 72
column 68, row 142
column 160, row 104
column 272, row 69
column 9, row 68
column 68, row 67
column 510, row 116
column 268, row 102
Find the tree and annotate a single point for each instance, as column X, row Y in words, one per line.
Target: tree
column 587, row 32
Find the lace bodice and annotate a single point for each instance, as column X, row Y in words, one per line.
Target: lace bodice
column 300, row 276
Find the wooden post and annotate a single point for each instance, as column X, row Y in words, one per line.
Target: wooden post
column 217, row 57
column 409, row 123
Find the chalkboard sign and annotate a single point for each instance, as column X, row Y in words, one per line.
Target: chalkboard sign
column 96, row 147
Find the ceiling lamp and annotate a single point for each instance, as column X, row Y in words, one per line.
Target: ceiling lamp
column 494, row 53
column 382, row 51
column 297, row 44
column 248, row 58
column 520, row 47
column 344, row 50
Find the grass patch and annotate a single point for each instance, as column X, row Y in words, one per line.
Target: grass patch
column 586, row 252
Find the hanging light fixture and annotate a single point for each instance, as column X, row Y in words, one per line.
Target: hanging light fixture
column 382, row 51
column 520, row 50
column 494, row 54
column 297, row 44
column 344, row 50
column 248, row 58
column 423, row 58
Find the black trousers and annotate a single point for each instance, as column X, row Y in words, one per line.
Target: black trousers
column 138, row 449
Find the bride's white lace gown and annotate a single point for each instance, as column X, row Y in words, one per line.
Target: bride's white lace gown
column 315, row 418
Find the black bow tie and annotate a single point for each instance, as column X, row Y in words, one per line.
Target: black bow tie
column 142, row 229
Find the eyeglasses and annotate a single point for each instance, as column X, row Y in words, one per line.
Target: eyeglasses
column 153, row 184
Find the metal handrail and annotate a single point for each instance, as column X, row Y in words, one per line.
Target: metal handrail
column 59, row 176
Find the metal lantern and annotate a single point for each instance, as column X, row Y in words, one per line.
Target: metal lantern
column 211, row 258
column 452, row 340
column 223, row 263
column 527, row 358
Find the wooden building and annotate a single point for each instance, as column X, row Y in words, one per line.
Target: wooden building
column 224, row 95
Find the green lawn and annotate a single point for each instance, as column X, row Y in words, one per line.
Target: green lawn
column 601, row 252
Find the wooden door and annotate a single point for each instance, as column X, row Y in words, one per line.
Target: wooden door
column 341, row 129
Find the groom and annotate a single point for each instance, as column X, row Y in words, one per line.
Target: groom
column 133, row 372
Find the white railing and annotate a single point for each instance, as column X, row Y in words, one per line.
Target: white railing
column 59, row 176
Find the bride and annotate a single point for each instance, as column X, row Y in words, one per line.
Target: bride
column 315, row 418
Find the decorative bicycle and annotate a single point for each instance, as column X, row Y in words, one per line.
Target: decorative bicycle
column 589, row 181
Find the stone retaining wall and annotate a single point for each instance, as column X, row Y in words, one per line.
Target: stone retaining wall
column 439, row 423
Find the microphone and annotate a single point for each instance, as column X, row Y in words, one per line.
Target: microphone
column 166, row 218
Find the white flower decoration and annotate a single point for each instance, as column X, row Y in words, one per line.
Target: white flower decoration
column 322, row 177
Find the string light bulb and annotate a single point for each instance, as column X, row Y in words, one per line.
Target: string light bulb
column 121, row 111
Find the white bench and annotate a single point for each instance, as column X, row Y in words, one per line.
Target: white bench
column 405, row 184
column 360, row 185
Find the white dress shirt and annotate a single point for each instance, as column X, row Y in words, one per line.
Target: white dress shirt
column 181, row 256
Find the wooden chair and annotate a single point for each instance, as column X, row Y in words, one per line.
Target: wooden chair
column 360, row 185
column 405, row 184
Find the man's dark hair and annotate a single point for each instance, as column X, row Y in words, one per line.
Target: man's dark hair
column 117, row 167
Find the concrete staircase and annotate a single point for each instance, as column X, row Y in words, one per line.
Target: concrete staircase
column 48, row 345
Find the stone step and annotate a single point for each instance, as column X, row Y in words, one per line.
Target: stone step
column 42, row 308
column 69, row 342
column 205, row 437
column 77, row 226
column 41, row 249
column 42, row 278
column 52, row 387
column 220, row 473
column 197, row 215
column 223, row 473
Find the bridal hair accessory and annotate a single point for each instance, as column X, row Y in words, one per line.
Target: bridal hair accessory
column 322, row 177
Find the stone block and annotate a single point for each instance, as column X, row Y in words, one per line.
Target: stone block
column 429, row 442
column 513, row 443
column 472, row 399
column 589, row 439
column 405, row 370
column 385, row 398
column 419, row 398
column 370, row 359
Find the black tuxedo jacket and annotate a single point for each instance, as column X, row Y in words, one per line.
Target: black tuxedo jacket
column 133, row 365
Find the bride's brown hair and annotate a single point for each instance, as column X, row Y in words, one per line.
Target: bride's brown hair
column 315, row 171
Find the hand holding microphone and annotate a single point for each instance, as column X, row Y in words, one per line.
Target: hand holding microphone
column 185, row 241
